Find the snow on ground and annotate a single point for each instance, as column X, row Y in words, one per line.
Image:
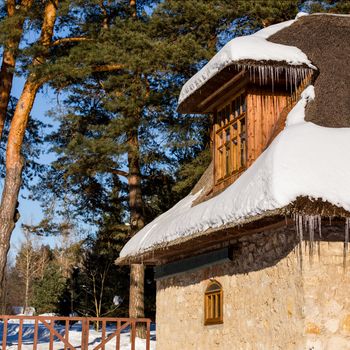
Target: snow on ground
column 251, row 47
column 304, row 160
column 74, row 337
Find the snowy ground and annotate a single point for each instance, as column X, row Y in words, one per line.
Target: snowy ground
column 74, row 338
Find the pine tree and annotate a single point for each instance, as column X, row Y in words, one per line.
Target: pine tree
column 38, row 66
column 48, row 291
column 331, row 6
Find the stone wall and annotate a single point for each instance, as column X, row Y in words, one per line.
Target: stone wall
column 274, row 298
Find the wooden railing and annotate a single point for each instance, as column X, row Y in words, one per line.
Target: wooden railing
column 59, row 329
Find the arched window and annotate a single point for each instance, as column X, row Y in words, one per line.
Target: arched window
column 213, row 304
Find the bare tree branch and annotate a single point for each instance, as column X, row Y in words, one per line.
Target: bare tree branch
column 108, row 67
column 119, row 172
column 69, row 40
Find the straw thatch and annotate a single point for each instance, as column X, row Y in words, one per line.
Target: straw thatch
column 325, row 39
column 312, row 207
column 205, row 183
column 222, row 236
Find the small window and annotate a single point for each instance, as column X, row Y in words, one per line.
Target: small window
column 213, row 304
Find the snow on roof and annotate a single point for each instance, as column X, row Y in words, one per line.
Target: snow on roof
column 304, row 160
column 251, row 47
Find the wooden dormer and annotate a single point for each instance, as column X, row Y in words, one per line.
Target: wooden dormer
column 249, row 103
column 246, row 114
column 244, row 124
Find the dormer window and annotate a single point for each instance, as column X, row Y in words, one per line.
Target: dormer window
column 231, row 139
column 244, row 124
column 249, row 102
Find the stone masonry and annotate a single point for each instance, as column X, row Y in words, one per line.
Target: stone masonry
column 276, row 296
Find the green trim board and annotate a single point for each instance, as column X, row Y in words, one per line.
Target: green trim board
column 193, row 262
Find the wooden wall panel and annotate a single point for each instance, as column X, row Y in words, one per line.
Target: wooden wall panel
column 263, row 112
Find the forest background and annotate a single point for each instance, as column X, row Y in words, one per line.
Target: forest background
column 111, row 152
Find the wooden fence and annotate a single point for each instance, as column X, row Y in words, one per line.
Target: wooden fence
column 59, row 328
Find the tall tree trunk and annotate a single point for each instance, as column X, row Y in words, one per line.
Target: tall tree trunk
column 13, row 178
column 133, row 6
column 14, row 159
column 3, row 304
column 7, row 213
column 137, row 271
column 6, row 78
column 9, row 60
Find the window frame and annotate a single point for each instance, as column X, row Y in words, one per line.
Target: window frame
column 229, row 161
column 213, row 304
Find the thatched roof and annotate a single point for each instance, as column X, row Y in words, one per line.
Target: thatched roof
column 220, row 237
column 205, row 241
column 325, row 39
column 291, row 177
column 221, row 84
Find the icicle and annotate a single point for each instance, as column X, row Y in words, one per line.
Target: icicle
column 346, row 241
column 310, row 220
column 309, row 224
column 275, row 74
column 263, row 71
column 269, row 74
column 300, row 224
column 299, row 233
column 296, row 76
column 319, row 224
column 252, row 73
column 256, row 74
column 347, row 225
column 272, row 78
column 286, row 74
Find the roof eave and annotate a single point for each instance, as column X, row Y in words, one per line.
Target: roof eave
column 204, row 241
column 201, row 100
column 222, row 236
